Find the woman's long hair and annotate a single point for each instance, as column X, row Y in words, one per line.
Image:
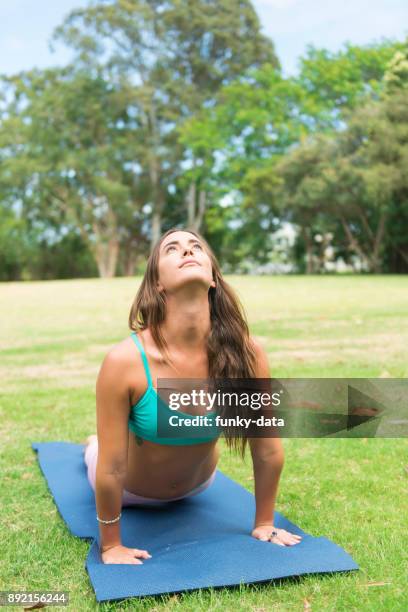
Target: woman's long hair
column 229, row 349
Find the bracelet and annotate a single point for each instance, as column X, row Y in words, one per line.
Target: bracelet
column 112, row 521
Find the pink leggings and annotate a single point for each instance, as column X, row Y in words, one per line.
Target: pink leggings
column 131, row 499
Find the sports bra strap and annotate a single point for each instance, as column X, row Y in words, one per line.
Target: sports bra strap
column 144, row 358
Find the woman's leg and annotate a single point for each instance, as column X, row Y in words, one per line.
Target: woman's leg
column 90, row 458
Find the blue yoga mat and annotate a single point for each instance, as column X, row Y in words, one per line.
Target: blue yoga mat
column 197, row 542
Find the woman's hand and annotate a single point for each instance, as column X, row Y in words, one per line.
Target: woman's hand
column 282, row 537
column 122, row 554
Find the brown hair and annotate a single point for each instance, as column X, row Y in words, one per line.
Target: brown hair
column 229, row 349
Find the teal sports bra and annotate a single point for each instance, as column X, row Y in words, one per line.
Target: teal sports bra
column 143, row 416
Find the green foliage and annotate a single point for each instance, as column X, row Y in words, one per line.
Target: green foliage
column 180, row 53
column 70, row 257
column 355, row 182
column 254, row 144
column 12, row 246
column 169, row 104
column 396, row 76
column 339, row 81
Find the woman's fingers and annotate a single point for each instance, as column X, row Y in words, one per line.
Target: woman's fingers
column 123, row 554
column 142, row 553
column 275, row 540
column 288, row 541
column 126, row 561
column 284, row 538
column 131, row 556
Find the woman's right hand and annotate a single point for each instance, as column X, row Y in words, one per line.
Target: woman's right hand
column 122, row 554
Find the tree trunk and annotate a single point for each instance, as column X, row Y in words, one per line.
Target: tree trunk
column 309, row 252
column 191, row 204
column 376, row 263
column 106, row 246
column 156, row 228
column 353, row 244
column 130, row 265
column 202, row 197
column 195, row 214
column 154, row 172
column 134, row 247
column 106, row 254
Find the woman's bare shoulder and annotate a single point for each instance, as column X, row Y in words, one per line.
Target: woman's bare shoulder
column 262, row 361
column 123, row 366
column 258, row 343
column 124, row 355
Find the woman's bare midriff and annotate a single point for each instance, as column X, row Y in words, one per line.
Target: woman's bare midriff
column 163, row 471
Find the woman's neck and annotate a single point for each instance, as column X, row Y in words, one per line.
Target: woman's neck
column 187, row 323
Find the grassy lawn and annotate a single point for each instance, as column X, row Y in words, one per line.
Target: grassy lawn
column 53, row 338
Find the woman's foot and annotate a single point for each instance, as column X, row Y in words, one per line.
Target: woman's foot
column 89, row 440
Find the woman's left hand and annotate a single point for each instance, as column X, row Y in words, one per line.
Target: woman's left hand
column 282, row 537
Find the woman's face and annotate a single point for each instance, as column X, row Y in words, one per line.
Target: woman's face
column 183, row 260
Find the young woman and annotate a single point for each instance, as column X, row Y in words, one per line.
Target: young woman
column 189, row 324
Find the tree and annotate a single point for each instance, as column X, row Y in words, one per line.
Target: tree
column 66, row 156
column 237, row 141
column 337, row 82
column 357, row 180
column 261, row 116
column 179, row 54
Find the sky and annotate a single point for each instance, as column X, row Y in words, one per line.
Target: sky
column 26, row 27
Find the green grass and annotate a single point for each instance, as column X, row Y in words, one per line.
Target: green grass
column 52, row 341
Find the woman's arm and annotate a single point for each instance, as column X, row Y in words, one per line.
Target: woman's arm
column 112, row 414
column 113, row 407
column 268, row 459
